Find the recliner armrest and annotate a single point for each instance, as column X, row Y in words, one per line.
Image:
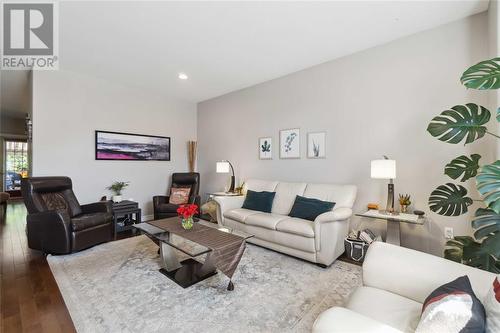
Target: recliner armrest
column 98, row 207
column 49, row 231
column 160, row 199
column 338, row 214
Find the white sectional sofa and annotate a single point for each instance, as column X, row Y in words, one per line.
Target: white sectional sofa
column 396, row 282
column 319, row 241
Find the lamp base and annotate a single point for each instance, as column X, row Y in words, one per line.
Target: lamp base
column 231, row 188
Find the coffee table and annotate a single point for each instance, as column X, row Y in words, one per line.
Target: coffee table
column 192, row 270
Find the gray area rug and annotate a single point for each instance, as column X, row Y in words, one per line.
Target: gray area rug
column 116, row 287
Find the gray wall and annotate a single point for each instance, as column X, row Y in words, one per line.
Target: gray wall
column 371, row 103
column 69, row 107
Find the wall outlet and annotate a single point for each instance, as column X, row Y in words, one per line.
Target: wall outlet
column 448, row 232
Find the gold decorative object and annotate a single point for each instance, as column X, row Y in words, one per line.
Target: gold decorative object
column 192, row 146
column 404, row 202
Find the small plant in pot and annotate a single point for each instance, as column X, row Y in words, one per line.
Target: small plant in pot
column 117, row 189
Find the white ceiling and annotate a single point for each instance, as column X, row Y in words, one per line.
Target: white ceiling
column 226, row 46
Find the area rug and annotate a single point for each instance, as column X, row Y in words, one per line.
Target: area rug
column 116, row 287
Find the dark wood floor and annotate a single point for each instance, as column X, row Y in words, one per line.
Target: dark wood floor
column 30, row 298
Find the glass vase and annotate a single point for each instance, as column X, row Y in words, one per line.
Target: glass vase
column 187, row 223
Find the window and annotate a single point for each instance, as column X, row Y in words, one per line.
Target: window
column 16, row 164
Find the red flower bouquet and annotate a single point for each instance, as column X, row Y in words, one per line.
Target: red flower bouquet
column 186, row 213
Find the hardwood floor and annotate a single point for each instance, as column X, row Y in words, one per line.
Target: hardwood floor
column 30, row 298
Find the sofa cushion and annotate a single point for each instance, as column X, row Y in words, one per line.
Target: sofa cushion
column 86, row 221
column 309, row 209
column 453, row 307
column 259, row 201
column 265, row 220
column 239, row 214
column 396, row 311
column 342, row 195
column 296, row 226
column 285, row 197
column 259, row 185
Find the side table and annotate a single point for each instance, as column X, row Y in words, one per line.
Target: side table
column 126, row 213
column 393, row 235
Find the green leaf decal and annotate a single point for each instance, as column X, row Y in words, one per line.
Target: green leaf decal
column 488, row 184
column 461, row 121
column 449, row 200
column 466, row 250
column 498, row 114
column 468, row 166
column 484, row 75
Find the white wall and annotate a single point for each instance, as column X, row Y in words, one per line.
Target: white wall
column 371, row 103
column 69, row 107
column 494, row 34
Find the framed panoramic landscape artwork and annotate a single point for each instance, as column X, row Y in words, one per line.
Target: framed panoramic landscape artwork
column 290, row 143
column 266, row 148
column 316, row 145
column 131, row 147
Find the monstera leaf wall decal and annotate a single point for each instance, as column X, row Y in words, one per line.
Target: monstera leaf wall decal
column 466, row 124
column 484, row 75
column 449, row 200
column 461, row 121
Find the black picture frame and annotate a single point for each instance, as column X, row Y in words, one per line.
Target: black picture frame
column 107, row 154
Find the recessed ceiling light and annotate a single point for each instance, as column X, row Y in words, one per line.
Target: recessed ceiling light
column 182, row 76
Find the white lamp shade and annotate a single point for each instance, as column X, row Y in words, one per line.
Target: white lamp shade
column 222, row 167
column 383, row 169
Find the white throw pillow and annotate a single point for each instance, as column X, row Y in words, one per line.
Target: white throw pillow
column 492, row 307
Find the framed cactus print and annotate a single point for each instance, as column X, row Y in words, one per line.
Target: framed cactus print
column 316, row 145
column 266, row 148
column 290, row 143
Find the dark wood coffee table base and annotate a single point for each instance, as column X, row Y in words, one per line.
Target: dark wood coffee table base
column 190, row 272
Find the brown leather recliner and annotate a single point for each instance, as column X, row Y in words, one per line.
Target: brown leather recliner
column 56, row 223
column 162, row 207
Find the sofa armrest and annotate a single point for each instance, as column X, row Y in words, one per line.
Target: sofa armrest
column 226, row 203
column 342, row 320
column 98, row 207
column 330, row 229
column 415, row 274
column 49, row 232
column 339, row 214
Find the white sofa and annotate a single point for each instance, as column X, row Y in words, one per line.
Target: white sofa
column 319, row 241
column 396, row 282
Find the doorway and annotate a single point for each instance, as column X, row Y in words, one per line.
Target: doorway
column 16, row 165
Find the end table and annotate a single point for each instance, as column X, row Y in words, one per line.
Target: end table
column 126, row 213
column 393, row 235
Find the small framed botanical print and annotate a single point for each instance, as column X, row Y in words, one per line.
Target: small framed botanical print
column 266, row 148
column 290, row 143
column 316, row 145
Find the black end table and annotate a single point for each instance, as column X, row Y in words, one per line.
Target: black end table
column 126, row 213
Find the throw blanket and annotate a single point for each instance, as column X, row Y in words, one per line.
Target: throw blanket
column 227, row 249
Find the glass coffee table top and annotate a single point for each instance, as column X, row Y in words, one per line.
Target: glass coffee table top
column 182, row 244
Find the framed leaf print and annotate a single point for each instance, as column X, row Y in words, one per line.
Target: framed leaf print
column 266, row 148
column 290, row 143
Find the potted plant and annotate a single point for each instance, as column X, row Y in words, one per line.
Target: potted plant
column 117, row 188
column 186, row 212
column 404, row 202
column 468, row 122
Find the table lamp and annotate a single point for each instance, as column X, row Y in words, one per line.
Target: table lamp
column 386, row 169
column 223, row 167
